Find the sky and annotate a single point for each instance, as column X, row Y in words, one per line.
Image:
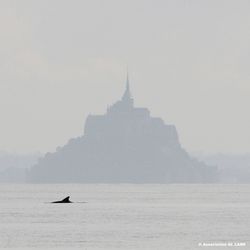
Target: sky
column 188, row 63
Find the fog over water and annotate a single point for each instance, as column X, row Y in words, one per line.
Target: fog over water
column 63, row 67
column 188, row 62
column 142, row 217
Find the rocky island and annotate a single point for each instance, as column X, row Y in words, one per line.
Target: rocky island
column 125, row 145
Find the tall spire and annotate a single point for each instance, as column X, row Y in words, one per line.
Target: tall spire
column 127, row 94
column 126, row 104
column 127, row 84
column 127, row 97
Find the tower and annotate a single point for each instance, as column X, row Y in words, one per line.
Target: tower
column 127, row 97
column 126, row 104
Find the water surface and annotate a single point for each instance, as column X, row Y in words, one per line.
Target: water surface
column 123, row 216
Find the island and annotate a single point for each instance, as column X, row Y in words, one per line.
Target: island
column 124, row 145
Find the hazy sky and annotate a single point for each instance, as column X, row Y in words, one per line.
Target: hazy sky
column 189, row 63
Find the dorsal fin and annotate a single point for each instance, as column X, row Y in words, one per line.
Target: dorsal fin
column 66, row 199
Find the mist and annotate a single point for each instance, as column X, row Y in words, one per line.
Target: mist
column 188, row 63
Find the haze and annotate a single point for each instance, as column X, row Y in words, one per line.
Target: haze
column 188, row 63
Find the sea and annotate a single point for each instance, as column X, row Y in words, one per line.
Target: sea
column 125, row 216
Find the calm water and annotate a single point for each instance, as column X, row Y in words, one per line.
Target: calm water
column 124, row 216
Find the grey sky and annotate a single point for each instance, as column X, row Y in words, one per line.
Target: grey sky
column 61, row 60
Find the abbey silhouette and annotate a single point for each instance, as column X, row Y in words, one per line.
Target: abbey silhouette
column 124, row 145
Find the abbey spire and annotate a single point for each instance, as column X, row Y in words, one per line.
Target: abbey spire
column 127, row 97
column 125, row 104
